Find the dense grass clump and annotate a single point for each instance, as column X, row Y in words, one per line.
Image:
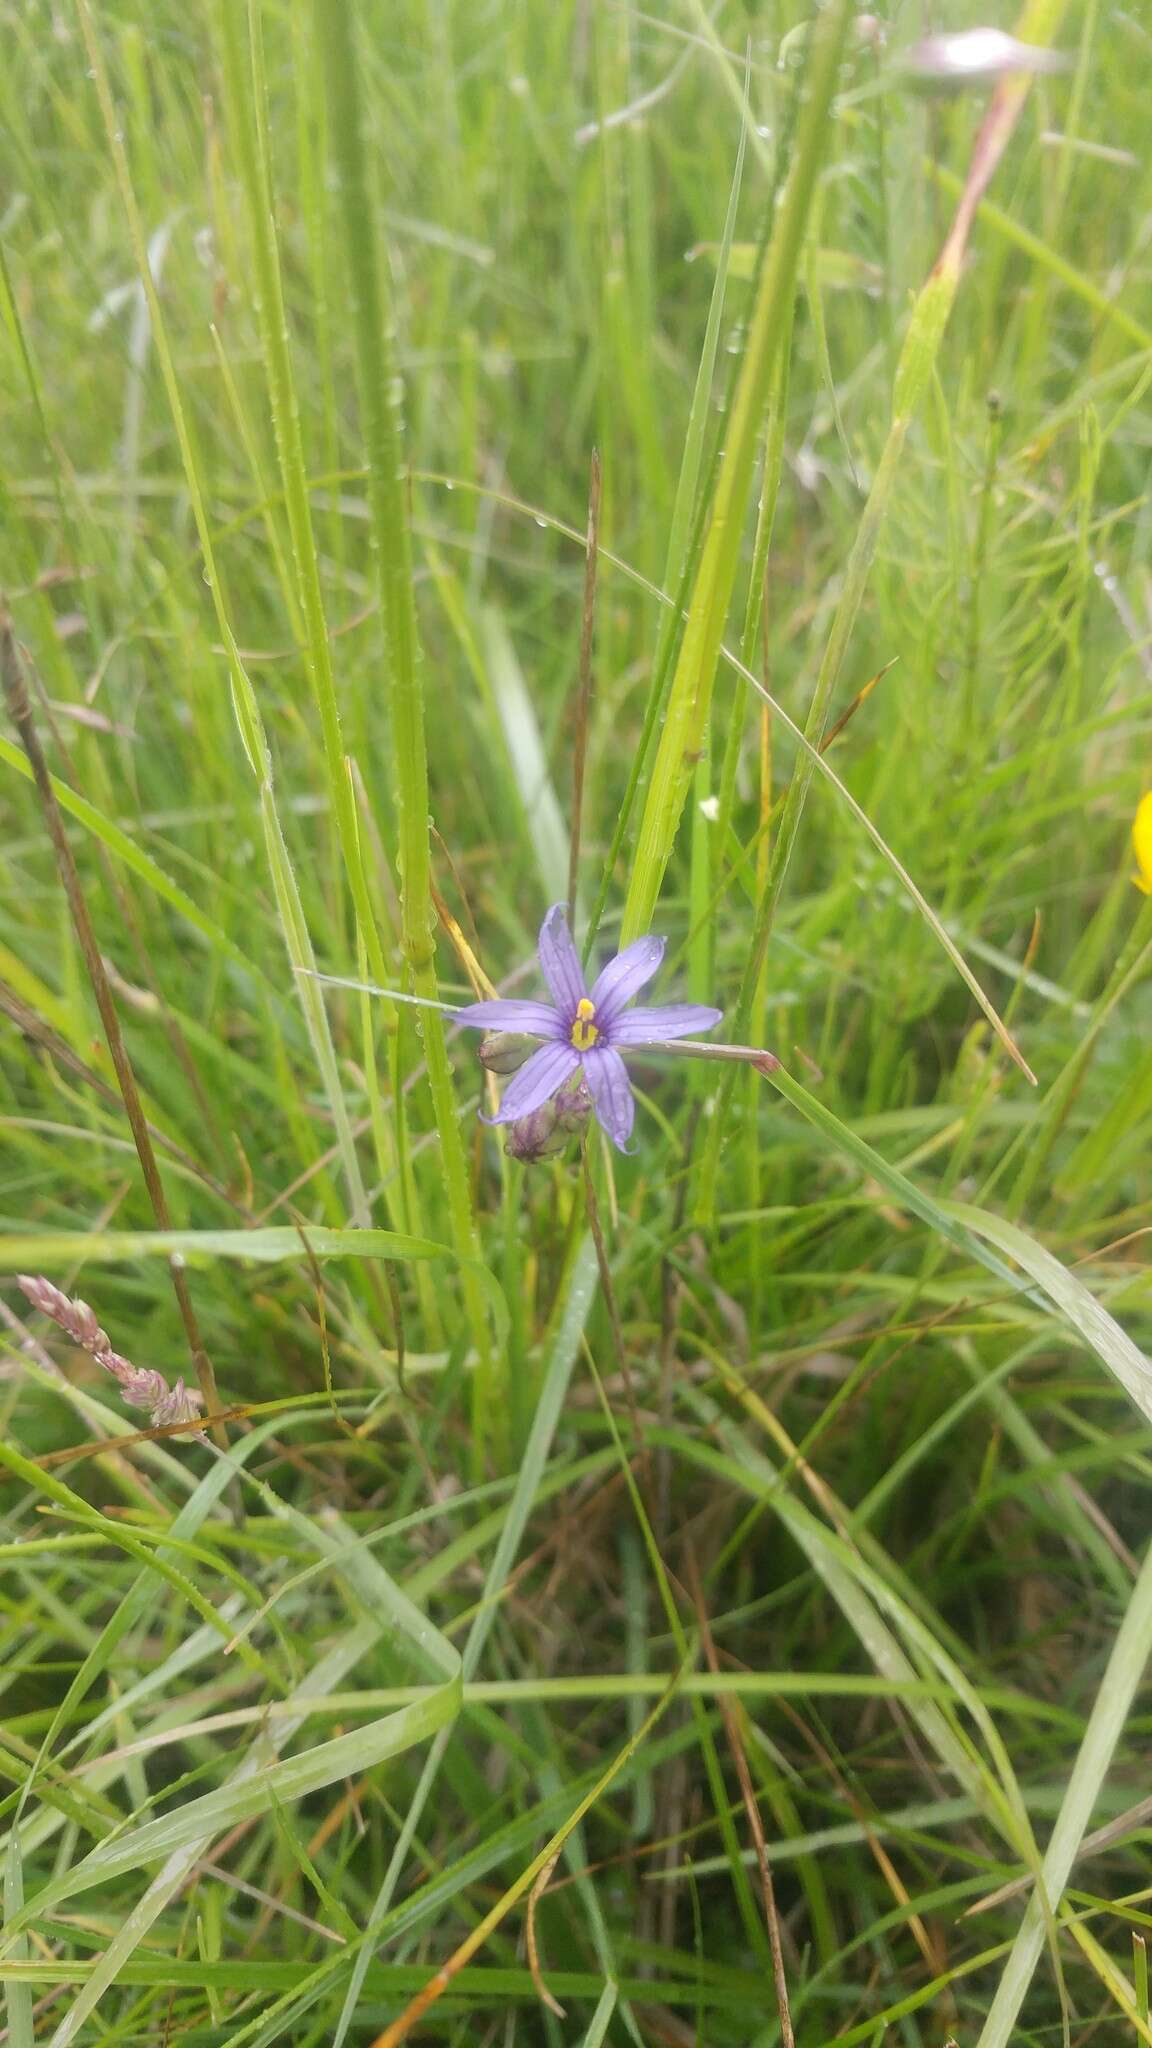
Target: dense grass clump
column 460, row 459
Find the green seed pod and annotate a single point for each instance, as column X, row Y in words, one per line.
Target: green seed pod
column 502, row 1052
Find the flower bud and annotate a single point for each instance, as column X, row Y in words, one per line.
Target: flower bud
column 502, row 1052
column 546, row 1131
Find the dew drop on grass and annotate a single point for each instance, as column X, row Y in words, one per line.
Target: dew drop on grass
column 539, row 520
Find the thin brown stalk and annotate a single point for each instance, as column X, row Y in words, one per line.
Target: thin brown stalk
column 584, row 682
column 536, row 1893
column 127, row 909
column 836, row 728
column 34, row 1027
column 194, row 1426
column 15, row 684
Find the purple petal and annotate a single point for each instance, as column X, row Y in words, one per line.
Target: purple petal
column 561, row 961
column 653, row 1027
column 539, row 1077
column 538, row 1018
column 611, row 1093
column 624, row 977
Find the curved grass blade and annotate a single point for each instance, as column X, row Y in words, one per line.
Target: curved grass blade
column 181, row 1837
column 1075, row 1303
column 120, row 844
column 273, row 1243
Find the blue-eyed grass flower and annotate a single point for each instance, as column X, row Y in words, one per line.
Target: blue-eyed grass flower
column 584, row 1029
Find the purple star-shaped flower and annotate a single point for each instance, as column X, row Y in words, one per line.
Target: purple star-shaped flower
column 583, row 1028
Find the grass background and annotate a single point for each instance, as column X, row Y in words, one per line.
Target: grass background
column 834, row 1453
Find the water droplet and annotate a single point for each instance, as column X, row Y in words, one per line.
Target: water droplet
column 540, row 520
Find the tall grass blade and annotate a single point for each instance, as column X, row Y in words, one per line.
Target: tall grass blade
column 525, row 744
column 381, row 392
column 244, row 701
column 690, row 695
column 685, row 536
column 914, row 370
column 1118, row 1686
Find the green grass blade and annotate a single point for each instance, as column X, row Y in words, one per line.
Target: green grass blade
column 1118, row 1686
column 1074, row 1302
column 685, row 536
column 59, row 1249
column 124, row 849
column 524, row 741
column 17, row 1995
column 690, row 695
column 575, row 1307
column 381, row 399
column 601, row 2018
column 247, row 710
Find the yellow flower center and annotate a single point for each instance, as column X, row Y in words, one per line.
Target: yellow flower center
column 584, row 1031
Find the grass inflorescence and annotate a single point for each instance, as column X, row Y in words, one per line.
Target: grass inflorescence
column 458, row 1594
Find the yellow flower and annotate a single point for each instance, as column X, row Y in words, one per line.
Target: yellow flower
column 1142, row 843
